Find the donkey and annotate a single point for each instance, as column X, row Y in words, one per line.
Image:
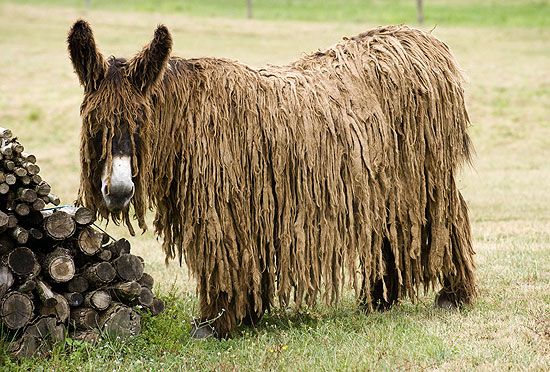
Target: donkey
column 279, row 183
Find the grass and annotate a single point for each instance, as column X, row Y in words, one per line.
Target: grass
column 533, row 13
column 508, row 92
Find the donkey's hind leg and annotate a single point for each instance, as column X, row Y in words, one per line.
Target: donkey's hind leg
column 390, row 279
column 459, row 287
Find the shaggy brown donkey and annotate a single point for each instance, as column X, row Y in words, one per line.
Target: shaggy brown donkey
column 282, row 183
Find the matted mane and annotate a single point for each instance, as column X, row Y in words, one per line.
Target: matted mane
column 114, row 101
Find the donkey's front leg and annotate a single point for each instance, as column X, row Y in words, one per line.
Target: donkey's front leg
column 217, row 318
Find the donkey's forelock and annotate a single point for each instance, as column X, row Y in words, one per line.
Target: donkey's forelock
column 115, row 114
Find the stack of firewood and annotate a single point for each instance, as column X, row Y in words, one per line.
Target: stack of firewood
column 58, row 273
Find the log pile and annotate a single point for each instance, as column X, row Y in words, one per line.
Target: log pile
column 58, row 273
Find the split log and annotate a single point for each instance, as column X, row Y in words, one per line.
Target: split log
column 78, row 284
column 89, row 241
column 90, row 335
column 4, row 188
column 35, row 234
column 100, row 274
column 20, row 172
column 6, row 280
column 25, row 347
column 119, row 247
column 27, row 286
column 43, row 189
column 59, row 265
column 82, row 215
column 127, row 291
column 22, row 209
column 29, row 157
column 98, row 299
column 38, row 204
column 21, row 261
column 104, row 255
column 84, row 318
column 10, row 179
column 147, row 281
column 47, row 328
column 20, row 235
column 16, row 310
column 58, row 225
column 53, row 199
column 31, row 168
column 45, row 293
column 128, row 267
column 5, row 133
column 120, row 320
column 4, row 220
column 61, row 309
column 145, row 297
column 157, row 306
column 12, row 221
column 6, row 244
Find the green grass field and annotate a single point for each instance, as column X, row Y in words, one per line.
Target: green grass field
column 505, row 54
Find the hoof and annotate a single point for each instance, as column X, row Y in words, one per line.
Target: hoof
column 447, row 301
column 200, row 331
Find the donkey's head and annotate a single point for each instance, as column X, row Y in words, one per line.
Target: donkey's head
column 116, row 116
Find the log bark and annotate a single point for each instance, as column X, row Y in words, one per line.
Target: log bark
column 128, row 267
column 59, row 265
column 120, row 320
column 59, row 225
column 16, row 310
column 84, row 318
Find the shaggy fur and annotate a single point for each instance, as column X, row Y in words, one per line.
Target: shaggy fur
column 282, row 183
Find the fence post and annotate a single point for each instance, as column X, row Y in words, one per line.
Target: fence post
column 249, row 9
column 420, row 11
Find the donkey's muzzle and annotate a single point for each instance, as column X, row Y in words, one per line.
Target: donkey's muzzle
column 119, row 191
column 118, row 197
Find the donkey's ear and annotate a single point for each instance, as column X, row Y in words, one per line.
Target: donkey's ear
column 147, row 67
column 88, row 63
